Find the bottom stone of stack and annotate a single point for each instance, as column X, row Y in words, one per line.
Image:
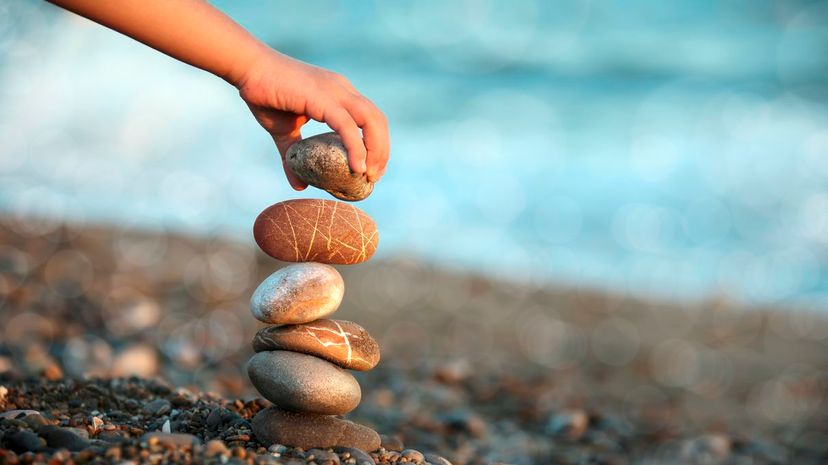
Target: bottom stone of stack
column 309, row 430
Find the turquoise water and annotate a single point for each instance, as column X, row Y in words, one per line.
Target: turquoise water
column 674, row 148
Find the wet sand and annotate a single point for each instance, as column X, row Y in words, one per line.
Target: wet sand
column 473, row 369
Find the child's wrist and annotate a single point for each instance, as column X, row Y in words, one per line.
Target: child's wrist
column 248, row 65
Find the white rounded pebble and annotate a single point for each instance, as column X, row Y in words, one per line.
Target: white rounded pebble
column 298, row 293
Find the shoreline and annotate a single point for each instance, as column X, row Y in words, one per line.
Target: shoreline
column 554, row 285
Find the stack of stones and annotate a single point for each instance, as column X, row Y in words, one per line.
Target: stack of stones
column 301, row 360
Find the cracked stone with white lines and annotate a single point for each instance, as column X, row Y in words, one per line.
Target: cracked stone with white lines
column 315, row 230
column 301, row 360
column 344, row 343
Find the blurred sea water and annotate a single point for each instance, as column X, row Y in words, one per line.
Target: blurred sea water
column 677, row 148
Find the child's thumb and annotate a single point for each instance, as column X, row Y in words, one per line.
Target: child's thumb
column 283, row 143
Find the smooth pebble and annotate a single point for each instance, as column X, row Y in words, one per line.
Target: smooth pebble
column 435, row 459
column 308, row 431
column 412, row 455
column 361, row 457
column 303, row 383
column 298, row 293
column 392, row 442
column 24, row 441
column 65, row 438
column 18, row 414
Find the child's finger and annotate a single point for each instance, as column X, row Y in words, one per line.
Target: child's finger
column 283, row 143
column 294, row 182
column 343, row 123
column 344, row 82
column 375, row 134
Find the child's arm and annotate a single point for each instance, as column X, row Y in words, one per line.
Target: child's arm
column 282, row 93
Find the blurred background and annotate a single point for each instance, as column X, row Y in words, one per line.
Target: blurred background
column 676, row 148
column 630, row 196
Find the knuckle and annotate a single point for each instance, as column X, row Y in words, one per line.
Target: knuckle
column 382, row 118
column 374, row 112
column 360, row 105
column 338, row 78
column 359, row 101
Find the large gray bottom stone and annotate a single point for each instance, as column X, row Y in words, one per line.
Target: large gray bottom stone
column 308, row 430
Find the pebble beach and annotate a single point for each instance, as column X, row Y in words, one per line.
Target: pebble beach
column 601, row 239
column 129, row 346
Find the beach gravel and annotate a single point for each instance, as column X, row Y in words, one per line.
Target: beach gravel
column 474, row 371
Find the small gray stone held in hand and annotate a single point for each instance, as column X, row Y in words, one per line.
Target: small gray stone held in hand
column 322, row 162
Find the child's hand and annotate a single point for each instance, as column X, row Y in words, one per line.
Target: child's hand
column 284, row 94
